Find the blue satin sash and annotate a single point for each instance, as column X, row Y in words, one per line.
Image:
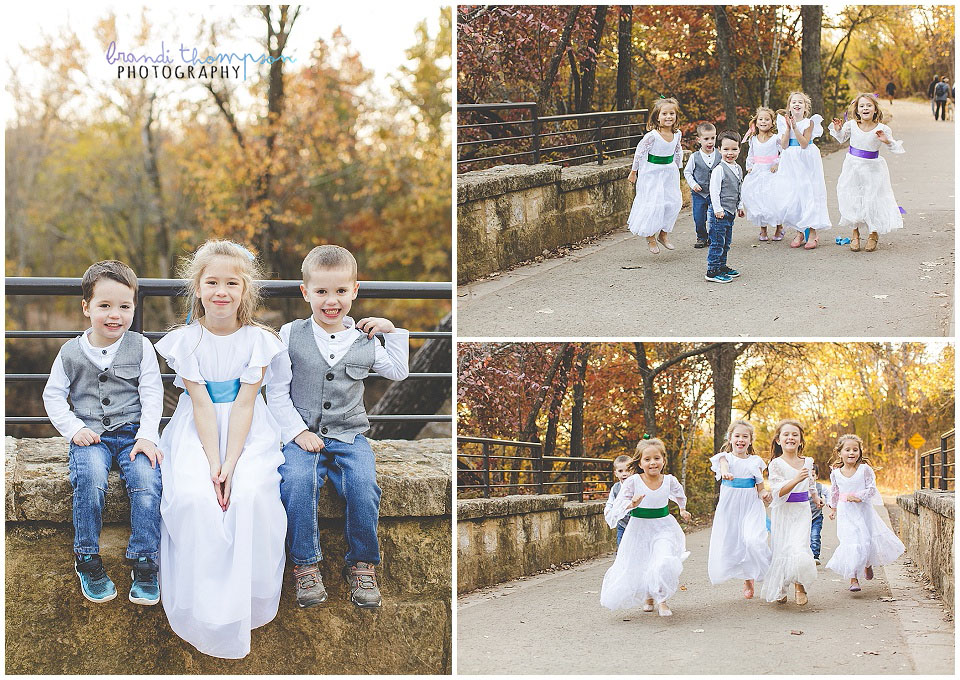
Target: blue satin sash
column 740, row 482
column 224, row 392
column 794, row 142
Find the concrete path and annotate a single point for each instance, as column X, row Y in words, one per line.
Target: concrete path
column 554, row 624
column 616, row 288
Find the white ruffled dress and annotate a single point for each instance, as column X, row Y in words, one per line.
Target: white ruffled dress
column 864, row 194
column 798, row 187
column 738, row 539
column 865, row 541
column 220, row 572
column 791, row 557
column 658, row 201
column 652, row 550
column 757, row 189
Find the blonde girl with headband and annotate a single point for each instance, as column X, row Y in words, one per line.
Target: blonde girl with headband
column 864, row 194
column 763, row 159
column 792, row 486
column 799, row 189
column 738, row 538
column 656, row 172
column 222, row 521
column 865, row 541
column 650, row 558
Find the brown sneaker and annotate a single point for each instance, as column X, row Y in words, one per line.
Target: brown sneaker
column 362, row 581
column 310, row 590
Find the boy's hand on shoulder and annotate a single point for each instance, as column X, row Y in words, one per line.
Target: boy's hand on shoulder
column 86, row 437
column 308, row 441
column 149, row 449
column 372, row 325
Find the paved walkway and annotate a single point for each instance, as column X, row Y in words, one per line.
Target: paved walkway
column 554, row 624
column 616, row 288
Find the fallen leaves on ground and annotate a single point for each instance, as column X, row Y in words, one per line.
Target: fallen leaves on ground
column 796, row 632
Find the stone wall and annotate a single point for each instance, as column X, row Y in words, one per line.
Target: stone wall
column 926, row 529
column 511, row 213
column 51, row 629
column 499, row 539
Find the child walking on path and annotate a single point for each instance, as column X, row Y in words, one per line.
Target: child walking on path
column 725, row 206
column 656, row 172
column 621, row 472
column 763, row 157
column 864, row 194
column 738, row 539
column 221, row 554
column 865, row 541
column 791, row 479
column 816, row 515
column 799, row 188
column 651, row 554
column 697, row 173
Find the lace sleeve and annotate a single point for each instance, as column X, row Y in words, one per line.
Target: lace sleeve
column 678, row 151
column 676, row 493
column 870, row 494
column 643, row 148
column 777, row 480
column 844, row 133
column 750, row 154
column 834, row 497
column 715, row 463
column 614, row 512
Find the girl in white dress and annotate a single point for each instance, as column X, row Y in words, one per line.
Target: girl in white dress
column 799, row 189
column 865, row 541
column 791, row 482
column 656, row 172
column 864, row 193
column 651, row 553
column 763, row 158
column 738, row 539
column 222, row 522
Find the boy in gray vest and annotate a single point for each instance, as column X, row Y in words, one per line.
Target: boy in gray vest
column 112, row 378
column 621, row 472
column 697, row 173
column 725, row 182
column 316, row 394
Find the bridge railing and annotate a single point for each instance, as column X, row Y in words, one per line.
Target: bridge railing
column 61, row 286
column 515, row 132
column 936, row 467
column 500, row 466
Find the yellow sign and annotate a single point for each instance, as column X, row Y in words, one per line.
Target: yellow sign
column 916, row 441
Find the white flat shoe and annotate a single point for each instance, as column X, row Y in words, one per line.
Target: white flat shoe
column 648, row 606
column 664, row 610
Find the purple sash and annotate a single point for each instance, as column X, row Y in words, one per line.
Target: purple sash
column 798, row 497
column 860, row 153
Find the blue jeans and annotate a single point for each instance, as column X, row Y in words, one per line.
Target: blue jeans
column 721, row 234
column 815, row 527
column 701, row 205
column 620, row 530
column 89, row 466
column 352, row 470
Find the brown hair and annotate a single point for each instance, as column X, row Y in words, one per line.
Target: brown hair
column 643, row 445
column 329, row 257
column 705, row 127
column 838, row 462
column 653, row 120
column 877, row 113
column 113, row 270
column 621, row 459
column 729, row 134
column 727, row 446
column 807, row 103
column 775, row 448
column 752, row 125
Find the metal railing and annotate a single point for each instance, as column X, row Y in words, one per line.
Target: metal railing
column 565, row 475
column 63, row 286
column 593, row 136
column 936, row 467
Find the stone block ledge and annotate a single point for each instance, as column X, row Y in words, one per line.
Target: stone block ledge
column 941, row 502
column 503, row 506
column 909, row 503
column 583, row 176
column 414, row 477
column 503, row 179
column 585, row 509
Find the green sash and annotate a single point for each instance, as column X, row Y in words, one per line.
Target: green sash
column 650, row 513
column 659, row 160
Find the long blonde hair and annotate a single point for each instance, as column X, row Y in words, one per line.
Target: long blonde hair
column 775, row 449
column 877, row 113
column 653, row 119
column 752, row 130
column 838, row 462
column 807, row 103
column 634, row 465
column 727, row 446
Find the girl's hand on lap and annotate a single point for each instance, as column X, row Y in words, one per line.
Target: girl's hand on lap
column 226, row 482
column 308, row 441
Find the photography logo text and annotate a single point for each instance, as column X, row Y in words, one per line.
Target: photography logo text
column 186, row 62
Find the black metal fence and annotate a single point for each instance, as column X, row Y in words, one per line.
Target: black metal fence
column 515, row 132
column 498, row 467
column 61, row 286
column 936, row 466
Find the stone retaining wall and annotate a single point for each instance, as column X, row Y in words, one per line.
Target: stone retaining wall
column 511, row 213
column 926, row 529
column 51, row 629
column 499, row 539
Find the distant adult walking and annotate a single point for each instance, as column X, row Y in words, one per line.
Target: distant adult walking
column 941, row 93
column 930, row 89
column 891, row 90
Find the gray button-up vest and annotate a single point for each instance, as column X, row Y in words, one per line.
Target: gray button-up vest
column 729, row 189
column 329, row 398
column 105, row 400
column 701, row 171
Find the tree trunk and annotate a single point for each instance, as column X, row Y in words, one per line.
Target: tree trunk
column 162, row 231
column 576, row 419
column 723, row 362
column 556, row 402
column 589, row 75
column 530, row 427
column 810, row 78
column 727, row 89
column 558, row 52
column 412, row 396
column 624, row 34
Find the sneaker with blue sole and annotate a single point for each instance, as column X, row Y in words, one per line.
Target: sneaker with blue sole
column 95, row 585
column 732, row 273
column 717, row 277
column 145, row 588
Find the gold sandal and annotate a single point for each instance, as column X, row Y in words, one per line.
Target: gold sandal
column 855, row 241
column 873, row 240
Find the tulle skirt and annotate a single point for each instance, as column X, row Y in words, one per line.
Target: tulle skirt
column 799, row 189
column 791, row 559
column 738, row 539
column 757, row 196
column 658, row 200
column 865, row 196
column 648, row 565
column 865, row 541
